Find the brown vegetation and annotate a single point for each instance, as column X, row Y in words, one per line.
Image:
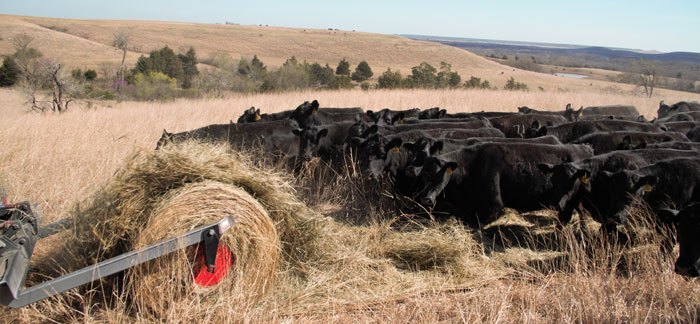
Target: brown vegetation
column 361, row 260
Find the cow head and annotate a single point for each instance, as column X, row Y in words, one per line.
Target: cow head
column 434, row 176
column 569, row 185
column 572, row 115
column 535, row 130
column 370, row 153
column 687, row 223
column 250, row 115
column 308, row 141
column 432, row 113
column 304, row 111
column 164, row 139
column 664, row 110
column 525, row 110
column 612, row 193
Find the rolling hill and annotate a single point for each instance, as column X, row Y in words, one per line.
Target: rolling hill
column 87, row 43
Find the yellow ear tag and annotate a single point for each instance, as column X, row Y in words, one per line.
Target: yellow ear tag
column 395, row 149
column 257, row 117
column 584, row 179
column 400, row 122
column 449, row 171
column 646, row 188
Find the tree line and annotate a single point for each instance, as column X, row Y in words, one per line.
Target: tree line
column 164, row 74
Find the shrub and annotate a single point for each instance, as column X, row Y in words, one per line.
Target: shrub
column 362, row 72
column 343, row 68
column 9, row 72
column 476, row 83
column 154, row 86
column 513, row 85
column 389, row 80
column 423, row 76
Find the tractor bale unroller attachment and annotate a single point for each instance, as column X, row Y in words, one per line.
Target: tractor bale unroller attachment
column 20, row 230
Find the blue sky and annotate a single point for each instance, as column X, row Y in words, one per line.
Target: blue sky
column 670, row 25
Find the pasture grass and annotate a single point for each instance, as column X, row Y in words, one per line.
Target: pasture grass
column 381, row 264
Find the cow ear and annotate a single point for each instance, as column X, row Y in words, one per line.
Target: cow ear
column 536, row 124
column 314, row 105
column 322, row 133
column 297, row 131
column 165, row 133
column 545, row 167
column 397, row 118
column 442, row 113
column 450, row 167
column 394, row 143
column 661, row 103
column 436, row 147
column 568, row 107
column 646, row 183
column 542, row 132
column 584, row 176
column 668, row 216
column 371, row 130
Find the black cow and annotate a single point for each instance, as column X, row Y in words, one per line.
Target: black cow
column 480, row 180
column 569, row 113
column 686, row 146
column 391, row 117
column 480, row 114
column 514, row 126
column 275, row 138
column 572, row 131
column 681, row 127
column 682, row 106
column 682, row 116
column 432, row 113
column 694, row 134
column 626, row 112
column 571, row 180
column 468, row 124
column 687, row 222
column 675, row 181
column 253, row 115
column 451, row 144
column 604, row 142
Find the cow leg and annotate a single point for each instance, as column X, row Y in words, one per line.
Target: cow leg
column 493, row 204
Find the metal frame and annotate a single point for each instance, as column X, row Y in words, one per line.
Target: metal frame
column 111, row 266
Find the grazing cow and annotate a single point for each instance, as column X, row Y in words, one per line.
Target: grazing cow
column 686, row 146
column 624, row 111
column 681, row 127
column 694, row 134
column 450, row 144
column 253, row 115
column 432, row 113
column 675, row 181
column 569, row 113
column 391, row 117
column 480, row 114
column 679, row 117
column 513, row 126
column 571, row 180
column 468, row 124
column 687, row 222
column 679, row 107
column 604, row 142
column 274, row 137
column 480, row 180
column 572, row 131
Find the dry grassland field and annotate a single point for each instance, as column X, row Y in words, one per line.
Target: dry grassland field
column 332, row 250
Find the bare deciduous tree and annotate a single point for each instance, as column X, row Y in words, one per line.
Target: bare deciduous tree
column 58, row 98
column 648, row 77
column 121, row 41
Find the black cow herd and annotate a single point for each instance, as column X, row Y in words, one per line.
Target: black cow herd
column 473, row 165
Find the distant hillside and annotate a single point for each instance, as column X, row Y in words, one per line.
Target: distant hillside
column 669, row 64
column 88, row 44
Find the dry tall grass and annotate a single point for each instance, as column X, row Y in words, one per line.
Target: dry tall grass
column 386, row 268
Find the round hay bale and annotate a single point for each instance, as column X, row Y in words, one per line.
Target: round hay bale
column 167, row 283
